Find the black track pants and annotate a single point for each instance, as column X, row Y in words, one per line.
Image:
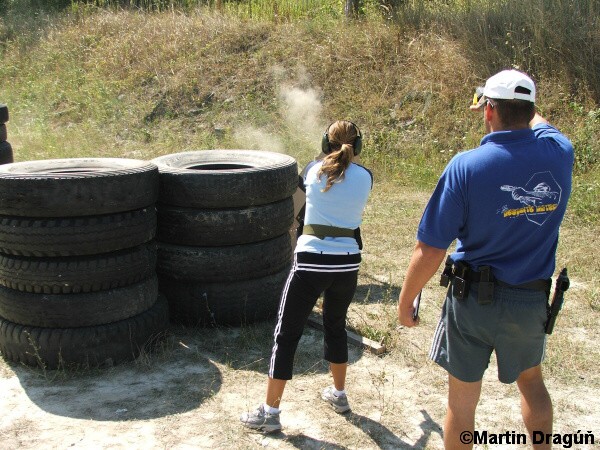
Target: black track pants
column 311, row 275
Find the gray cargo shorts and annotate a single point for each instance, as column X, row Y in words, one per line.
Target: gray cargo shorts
column 512, row 326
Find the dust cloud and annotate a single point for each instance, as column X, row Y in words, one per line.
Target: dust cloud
column 258, row 139
column 301, row 127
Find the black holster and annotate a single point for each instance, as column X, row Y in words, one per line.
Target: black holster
column 461, row 276
column 447, row 275
column 358, row 238
column 485, row 291
column 460, row 282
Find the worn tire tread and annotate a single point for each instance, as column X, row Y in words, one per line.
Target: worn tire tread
column 96, row 346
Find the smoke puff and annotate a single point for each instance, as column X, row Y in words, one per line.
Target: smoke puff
column 256, row 139
column 303, row 110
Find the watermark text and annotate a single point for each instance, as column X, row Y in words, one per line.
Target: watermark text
column 566, row 440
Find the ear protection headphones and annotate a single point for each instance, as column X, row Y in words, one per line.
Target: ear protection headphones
column 357, row 144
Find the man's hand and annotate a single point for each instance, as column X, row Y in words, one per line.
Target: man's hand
column 424, row 262
column 405, row 316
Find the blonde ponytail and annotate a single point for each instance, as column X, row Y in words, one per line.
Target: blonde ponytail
column 342, row 134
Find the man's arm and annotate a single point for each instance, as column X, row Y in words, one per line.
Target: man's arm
column 537, row 119
column 424, row 263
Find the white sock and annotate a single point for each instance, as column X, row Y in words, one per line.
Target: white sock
column 339, row 393
column 271, row 410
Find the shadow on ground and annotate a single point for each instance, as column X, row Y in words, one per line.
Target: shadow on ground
column 381, row 436
column 376, row 291
column 172, row 380
column 249, row 347
column 178, row 377
column 385, row 439
column 308, row 443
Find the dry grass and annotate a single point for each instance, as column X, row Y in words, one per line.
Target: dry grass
column 129, row 84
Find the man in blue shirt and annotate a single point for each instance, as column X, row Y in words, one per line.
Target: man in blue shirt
column 503, row 202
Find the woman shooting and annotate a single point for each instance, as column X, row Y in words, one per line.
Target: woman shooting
column 326, row 261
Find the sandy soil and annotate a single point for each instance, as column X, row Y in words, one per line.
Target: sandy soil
column 189, row 396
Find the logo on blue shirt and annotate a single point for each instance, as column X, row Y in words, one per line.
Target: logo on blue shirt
column 539, row 197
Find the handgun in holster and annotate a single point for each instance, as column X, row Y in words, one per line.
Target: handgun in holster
column 485, row 287
column 447, row 275
column 562, row 284
column 460, row 285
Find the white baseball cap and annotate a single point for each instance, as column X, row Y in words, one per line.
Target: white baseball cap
column 507, row 85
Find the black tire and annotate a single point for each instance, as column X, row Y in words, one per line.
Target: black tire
column 3, row 114
column 226, row 178
column 6, row 153
column 228, row 263
column 235, row 303
column 76, row 236
column 78, row 274
column 76, row 187
column 77, row 310
column 215, row 227
column 87, row 347
column 3, row 133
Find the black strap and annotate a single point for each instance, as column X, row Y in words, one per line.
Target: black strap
column 301, row 184
column 322, row 231
column 300, row 215
column 535, row 285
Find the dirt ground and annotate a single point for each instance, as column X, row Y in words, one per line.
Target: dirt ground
column 190, row 393
column 189, row 396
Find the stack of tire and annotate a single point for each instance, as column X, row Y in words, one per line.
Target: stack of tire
column 6, row 153
column 78, row 283
column 224, row 247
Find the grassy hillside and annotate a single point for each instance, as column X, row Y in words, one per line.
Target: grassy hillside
column 83, row 80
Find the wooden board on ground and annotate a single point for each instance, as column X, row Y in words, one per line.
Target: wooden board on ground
column 316, row 321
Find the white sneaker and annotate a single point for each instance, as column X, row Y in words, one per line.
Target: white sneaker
column 261, row 420
column 338, row 403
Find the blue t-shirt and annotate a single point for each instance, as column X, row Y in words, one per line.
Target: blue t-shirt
column 341, row 206
column 504, row 202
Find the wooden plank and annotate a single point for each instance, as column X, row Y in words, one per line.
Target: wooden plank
column 316, row 321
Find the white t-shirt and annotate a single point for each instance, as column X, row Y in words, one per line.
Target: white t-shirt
column 341, row 206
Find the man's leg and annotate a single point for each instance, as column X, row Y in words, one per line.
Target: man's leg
column 536, row 405
column 460, row 417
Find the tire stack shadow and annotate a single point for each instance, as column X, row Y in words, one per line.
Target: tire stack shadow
column 78, row 284
column 224, row 247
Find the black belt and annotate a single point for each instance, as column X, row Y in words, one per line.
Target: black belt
column 461, row 275
column 535, row 285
